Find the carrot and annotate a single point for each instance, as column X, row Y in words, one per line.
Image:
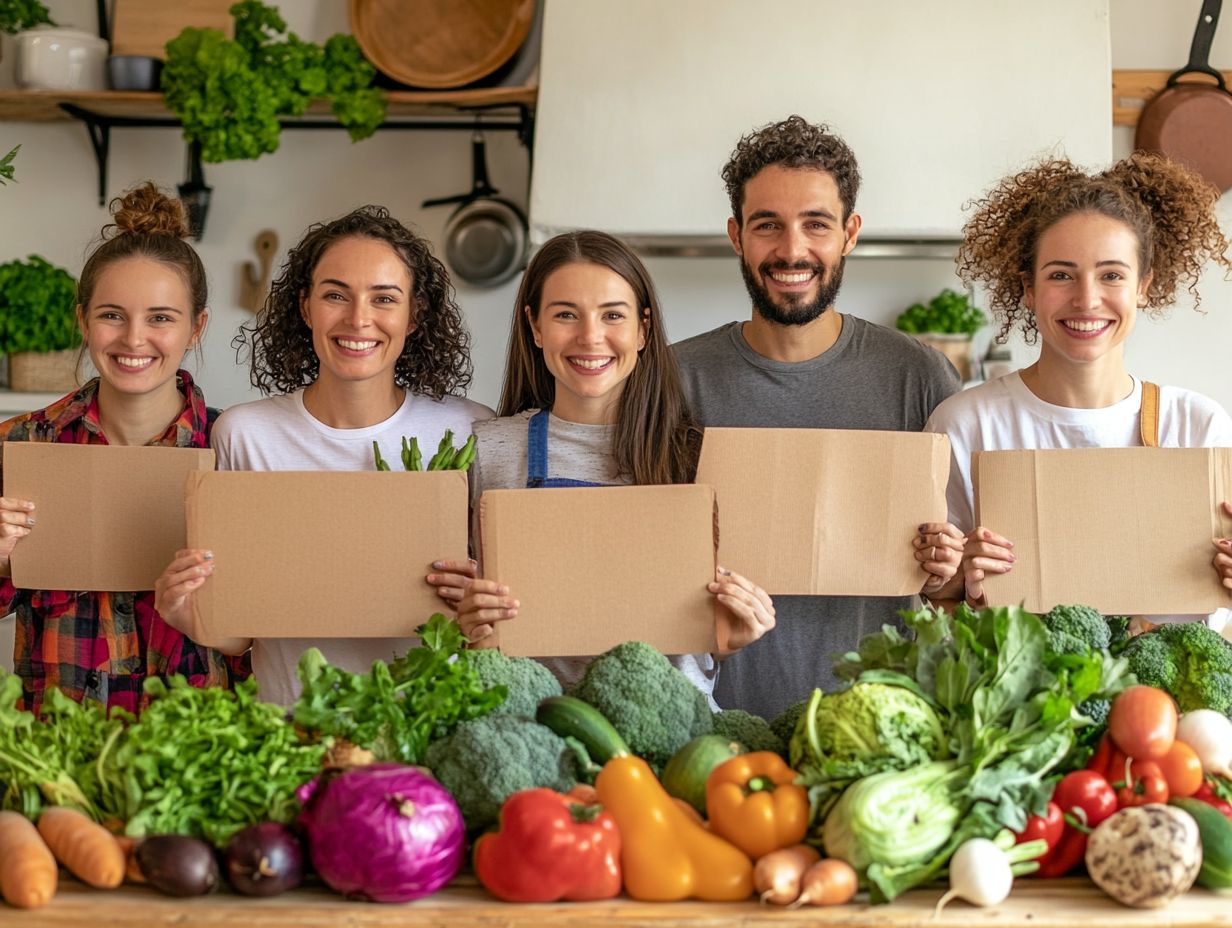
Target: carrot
column 89, row 851
column 27, row 869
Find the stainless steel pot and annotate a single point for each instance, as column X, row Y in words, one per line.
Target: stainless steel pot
column 485, row 238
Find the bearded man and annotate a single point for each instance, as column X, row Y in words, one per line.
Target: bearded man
column 799, row 363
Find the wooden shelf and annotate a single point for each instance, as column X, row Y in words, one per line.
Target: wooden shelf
column 44, row 105
column 1132, row 89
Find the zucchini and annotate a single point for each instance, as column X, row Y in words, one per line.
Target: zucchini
column 571, row 717
column 686, row 773
column 1215, row 829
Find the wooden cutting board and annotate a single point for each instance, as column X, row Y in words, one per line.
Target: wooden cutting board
column 143, row 27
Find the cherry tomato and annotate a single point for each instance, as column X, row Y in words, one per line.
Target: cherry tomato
column 1182, row 769
column 1142, row 722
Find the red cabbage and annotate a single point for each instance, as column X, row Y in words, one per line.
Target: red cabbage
column 384, row 832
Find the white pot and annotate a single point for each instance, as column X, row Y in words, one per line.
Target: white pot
column 51, row 58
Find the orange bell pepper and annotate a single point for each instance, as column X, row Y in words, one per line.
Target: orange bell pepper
column 753, row 801
column 665, row 855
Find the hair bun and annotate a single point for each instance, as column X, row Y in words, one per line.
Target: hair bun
column 146, row 210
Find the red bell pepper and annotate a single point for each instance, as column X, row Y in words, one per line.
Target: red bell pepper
column 550, row 847
column 1085, row 799
column 1137, row 782
column 1206, row 793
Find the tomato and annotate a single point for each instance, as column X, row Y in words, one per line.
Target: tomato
column 1142, row 722
column 1182, row 769
column 1086, row 796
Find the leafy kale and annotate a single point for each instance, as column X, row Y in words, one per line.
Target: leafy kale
column 230, row 93
column 396, row 709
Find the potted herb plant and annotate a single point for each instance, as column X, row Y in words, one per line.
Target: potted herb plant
column 947, row 322
column 19, row 15
column 38, row 325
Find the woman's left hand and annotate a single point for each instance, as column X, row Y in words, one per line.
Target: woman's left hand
column 939, row 549
column 1223, row 560
column 750, row 609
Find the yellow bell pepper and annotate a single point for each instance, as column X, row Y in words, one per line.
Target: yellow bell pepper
column 754, row 802
column 665, row 856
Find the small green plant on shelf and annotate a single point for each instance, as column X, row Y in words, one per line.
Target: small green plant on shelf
column 230, row 93
column 18, row 15
column 38, row 307
column 948, row 313
column 6, row 166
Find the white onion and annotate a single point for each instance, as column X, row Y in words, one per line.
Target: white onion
column 1209, row 733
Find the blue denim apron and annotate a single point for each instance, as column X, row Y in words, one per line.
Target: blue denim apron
column 537, row 457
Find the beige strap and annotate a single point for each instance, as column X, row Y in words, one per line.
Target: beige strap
column 1150, row 414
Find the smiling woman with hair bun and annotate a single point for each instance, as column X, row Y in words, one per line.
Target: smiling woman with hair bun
column 141, row 305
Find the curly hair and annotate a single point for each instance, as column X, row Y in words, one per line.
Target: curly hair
column 1169, row 208
column 793, row 143
column 436, row 358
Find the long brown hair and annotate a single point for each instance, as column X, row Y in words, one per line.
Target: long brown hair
column 655, row 440
column 434, row 362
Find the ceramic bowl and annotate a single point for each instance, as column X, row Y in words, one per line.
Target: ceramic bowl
column 60, row 59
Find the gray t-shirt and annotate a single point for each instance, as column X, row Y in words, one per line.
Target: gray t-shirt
column 872, row 378
column 575, row 451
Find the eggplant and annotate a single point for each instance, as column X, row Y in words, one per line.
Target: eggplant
column 178, row 865
column 264, row 860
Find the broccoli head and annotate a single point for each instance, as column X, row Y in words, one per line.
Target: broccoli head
column 527, row 682
column 1118, row 633
column 1076, row 630
column 785, row 725
column 649, row 702
column 750, row 730
column 485, row 761
column 1189, row 660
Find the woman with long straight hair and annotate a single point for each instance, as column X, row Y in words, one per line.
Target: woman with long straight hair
column 592, row 397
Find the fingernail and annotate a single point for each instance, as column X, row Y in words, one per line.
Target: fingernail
column 516, row 604
column 1013, row 557
column 725, row 572
column 208, row 555
column 436, row 565
column 30, row 520
column 920, row 528
column 502, row 590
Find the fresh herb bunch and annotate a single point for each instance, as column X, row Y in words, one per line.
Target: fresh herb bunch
column 948, row 312
column 52, row 761
column 395, row 710
column 6, row 166
column 230, row 93
column 16, row 15
column 38, row 307
column 447, row 457
column 207, row 762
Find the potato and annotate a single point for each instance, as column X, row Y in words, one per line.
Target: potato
column 1145, row 856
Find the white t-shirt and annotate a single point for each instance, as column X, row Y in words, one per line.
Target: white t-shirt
column 1004, row 415
column 278, row 433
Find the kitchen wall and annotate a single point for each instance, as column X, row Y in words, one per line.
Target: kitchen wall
column 53, row 210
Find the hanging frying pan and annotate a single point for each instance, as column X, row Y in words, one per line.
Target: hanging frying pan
column 1191, row 121
column 485, row 238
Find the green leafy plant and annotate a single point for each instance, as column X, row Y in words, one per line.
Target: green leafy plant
column 948, row 312
column 16, row 15
column 38, row 307
column 230, row 93
column 6, row 166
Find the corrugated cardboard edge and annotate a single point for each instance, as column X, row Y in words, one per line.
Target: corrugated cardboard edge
column 192, row 517
column 1221, row 491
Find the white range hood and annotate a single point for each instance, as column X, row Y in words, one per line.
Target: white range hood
column 641, row 102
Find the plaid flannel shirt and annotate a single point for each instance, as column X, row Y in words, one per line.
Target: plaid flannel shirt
column 102, row 646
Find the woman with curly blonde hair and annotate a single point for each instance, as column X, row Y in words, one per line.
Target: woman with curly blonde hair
column 1073, row 258
column 360, row 340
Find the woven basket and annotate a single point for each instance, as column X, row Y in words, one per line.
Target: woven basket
column 958, row 348
column 43, row 372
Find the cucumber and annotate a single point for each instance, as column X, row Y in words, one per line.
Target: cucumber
column 1215, row 829
column 685, row 774
column 571, row 717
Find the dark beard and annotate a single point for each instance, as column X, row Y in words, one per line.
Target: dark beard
column 798, row 313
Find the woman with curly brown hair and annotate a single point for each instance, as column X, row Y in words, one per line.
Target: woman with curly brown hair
column 360, row 340
column 141, row 306
column 1072, row 258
